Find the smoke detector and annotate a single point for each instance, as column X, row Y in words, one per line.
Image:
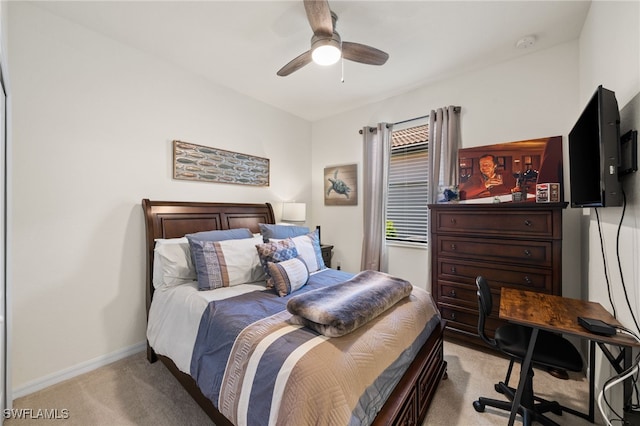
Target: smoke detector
column 526, row 42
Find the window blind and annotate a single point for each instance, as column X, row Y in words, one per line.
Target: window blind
column 407, row 213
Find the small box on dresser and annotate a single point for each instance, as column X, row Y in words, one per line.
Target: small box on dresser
column 515, row 245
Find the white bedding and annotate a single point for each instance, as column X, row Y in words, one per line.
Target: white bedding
column 174, row 318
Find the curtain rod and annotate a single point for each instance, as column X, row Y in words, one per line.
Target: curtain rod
column 411, row 119
column 373, row 129
column 455, row 109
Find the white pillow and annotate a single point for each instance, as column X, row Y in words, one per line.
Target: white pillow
column 308, row 247
column 172, row 263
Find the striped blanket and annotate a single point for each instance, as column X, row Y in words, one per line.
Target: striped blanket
column 260, row 369
column 340, row 309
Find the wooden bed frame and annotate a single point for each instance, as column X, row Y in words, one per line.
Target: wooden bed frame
column 410, row 399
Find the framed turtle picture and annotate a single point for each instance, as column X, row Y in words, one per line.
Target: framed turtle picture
column 341, row 185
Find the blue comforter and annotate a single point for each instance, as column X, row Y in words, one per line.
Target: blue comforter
column 257, row 368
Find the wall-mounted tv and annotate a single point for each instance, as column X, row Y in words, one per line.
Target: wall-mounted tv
column 594, row 153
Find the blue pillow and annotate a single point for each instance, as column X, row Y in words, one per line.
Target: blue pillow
column 281, row 232
column 221, row 235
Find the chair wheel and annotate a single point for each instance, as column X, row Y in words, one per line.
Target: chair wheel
column 478, row 406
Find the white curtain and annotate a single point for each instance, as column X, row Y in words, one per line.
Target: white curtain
column 444, row 141
column 376, row 152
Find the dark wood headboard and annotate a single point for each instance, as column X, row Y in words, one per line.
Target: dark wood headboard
column 175, row 219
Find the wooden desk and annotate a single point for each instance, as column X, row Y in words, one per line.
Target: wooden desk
column 560, row 315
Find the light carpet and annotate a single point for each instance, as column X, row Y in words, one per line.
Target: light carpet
column 134, row 392
column 473, row 373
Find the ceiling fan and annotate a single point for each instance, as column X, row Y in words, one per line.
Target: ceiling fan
column 326, row 46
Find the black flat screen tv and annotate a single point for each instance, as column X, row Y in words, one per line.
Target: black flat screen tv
column 594, row 153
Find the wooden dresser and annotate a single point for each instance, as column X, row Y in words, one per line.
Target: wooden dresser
column 515, row 245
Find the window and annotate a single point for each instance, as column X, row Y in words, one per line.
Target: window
column 407, row 213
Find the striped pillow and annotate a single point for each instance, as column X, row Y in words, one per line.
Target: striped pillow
column 288, row 275
column 226, row 263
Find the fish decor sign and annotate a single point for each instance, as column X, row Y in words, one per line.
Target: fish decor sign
column 205, row 164
column 341, row 185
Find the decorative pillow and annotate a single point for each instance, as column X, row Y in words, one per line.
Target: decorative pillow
column 275, row 251
column 308, row 247
column 221, row 235
column 172, row 263
column 281, row 232
column 288, row 275
column 226, row 263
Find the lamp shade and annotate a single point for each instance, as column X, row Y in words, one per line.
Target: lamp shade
column 294, row 212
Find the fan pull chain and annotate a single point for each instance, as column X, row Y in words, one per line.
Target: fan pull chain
column 342, row 65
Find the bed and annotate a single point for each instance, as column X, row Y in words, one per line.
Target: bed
column 414, row 380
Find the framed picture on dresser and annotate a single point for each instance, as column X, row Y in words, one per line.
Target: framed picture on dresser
column 510, row 171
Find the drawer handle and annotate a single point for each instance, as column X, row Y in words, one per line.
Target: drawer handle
column 527, row 222
column 454, row 247
column 453, row 316
column 452, row 293
column 453, row 270
column 527, row 252
column 453, row 220
column 527, row 279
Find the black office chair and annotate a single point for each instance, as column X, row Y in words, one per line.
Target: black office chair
column 551, row 351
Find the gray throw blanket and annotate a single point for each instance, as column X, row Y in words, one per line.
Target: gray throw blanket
column 342, row 308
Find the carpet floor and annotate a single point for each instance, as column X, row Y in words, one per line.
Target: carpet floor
column 134, row 392
column 473, row 373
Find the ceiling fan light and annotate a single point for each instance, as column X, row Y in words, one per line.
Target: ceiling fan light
column 326, row 52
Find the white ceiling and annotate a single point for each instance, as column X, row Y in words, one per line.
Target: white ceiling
column 241, row 44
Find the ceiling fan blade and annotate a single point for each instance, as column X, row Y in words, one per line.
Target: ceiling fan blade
column 319, row 16
column 295, row 64
column 364, row 54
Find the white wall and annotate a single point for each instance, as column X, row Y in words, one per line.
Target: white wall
column 531, row 97
column 93, row 123
column 610, row 55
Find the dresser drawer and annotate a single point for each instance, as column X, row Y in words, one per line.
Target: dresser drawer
column 498, row 275
column 465, row 295
column 409, row 414
column 426, row 386
column 464, row 320
column 537, row 253
column 457, row 318
column 458, row 294
column 528, row 224
column 326, row 251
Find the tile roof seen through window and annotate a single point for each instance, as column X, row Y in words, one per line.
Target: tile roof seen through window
column 409, row 136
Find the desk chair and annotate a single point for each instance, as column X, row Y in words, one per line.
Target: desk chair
column 551, row 351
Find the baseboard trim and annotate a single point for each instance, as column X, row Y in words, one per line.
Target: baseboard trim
column 76, row 370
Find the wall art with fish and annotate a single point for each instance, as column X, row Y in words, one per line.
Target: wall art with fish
column 206, row 164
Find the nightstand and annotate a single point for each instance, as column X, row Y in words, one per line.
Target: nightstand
column 326, row 254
